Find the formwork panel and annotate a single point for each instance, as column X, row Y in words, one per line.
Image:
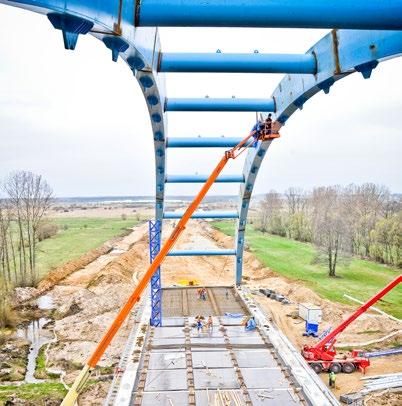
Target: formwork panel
column 167, row 360
column 207, row 398
column 168, row 380
column 168, row 341
column 207, row 359
column 260, row 378
column 254, row 339
column 173, row 321
column 222, row 378
column 165, row 398
column 255, row 359
column 207, row 340
column 279, row 397
column 168, row 332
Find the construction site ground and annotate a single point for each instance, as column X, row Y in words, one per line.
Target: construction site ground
column 88, row 298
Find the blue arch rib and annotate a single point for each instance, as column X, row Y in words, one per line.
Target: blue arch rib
column 338, row 54
column 112, row 23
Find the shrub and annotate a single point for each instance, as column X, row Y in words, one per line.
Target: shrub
column 47, row 230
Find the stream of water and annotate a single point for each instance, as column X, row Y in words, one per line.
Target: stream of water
column 37, row 335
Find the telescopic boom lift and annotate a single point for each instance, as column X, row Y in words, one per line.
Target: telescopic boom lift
column 233, row 153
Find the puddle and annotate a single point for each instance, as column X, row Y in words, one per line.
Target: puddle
column 45, row 302
column 37, row 335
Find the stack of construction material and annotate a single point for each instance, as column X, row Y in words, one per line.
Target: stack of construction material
column 380, row 382
column 392, row 382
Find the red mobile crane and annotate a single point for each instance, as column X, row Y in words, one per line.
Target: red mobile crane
column 322, row 356
column 255, row 135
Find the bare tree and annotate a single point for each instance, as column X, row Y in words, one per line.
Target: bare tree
column 330, row 230
column 366, row 204
column 30, row 197
column 271, row 213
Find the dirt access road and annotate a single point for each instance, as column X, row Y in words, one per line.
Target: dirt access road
column 88, row 299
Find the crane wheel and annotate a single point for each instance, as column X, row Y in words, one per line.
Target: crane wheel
column 348, row 368
column 317, row 367
column 336, row 367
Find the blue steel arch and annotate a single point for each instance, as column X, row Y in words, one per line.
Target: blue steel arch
column 338, row 54
column 117, row 23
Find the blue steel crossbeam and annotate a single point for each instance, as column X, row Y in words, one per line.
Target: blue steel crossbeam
column 203, row 215
column 350, row 14
column 228, row 104
column 156, row 291
column 238, row 63
column 202, row 142
column 189, row 253
column 203, row 179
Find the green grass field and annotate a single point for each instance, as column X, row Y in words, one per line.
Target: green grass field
column 360, row 279
column 38, row 393
column 76, row 237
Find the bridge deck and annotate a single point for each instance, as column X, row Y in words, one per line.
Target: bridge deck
column 180, row 366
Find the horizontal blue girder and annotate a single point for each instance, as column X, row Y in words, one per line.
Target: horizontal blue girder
column 203, row 179
column 251, row 63
column 202, row 215
column 188, row 253
column 352, row 14
column 210, row 104
column 200, row 142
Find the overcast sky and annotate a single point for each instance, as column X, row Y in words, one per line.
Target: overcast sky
column 80, row 120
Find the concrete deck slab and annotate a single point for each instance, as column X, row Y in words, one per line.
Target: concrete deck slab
column 224, row 378
column 167, row 360
column 204, row 359
column 166, row 380
column 260, row 378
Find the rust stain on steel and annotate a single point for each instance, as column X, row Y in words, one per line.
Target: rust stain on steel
column 335, row 49
column 137, row 13
column 117, row 26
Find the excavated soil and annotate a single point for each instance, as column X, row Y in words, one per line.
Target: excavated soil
column 87, row 299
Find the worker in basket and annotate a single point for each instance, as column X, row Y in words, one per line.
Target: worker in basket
column 262, row 129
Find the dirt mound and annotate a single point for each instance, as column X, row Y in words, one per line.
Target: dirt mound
column 60, row 273
column 121, row 270
column 384, row 399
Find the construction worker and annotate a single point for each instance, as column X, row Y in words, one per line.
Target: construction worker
column 268, row 125
column 251, row 324
column 200, row 325
column 331, row 379
column 210, row 323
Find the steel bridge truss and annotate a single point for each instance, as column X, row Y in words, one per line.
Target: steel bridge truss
column 365, row 34
column 155, row 228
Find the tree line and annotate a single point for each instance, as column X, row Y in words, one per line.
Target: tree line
column 26, row 197
column 363, row 220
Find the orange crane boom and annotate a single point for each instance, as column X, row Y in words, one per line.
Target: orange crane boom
column 233, row 153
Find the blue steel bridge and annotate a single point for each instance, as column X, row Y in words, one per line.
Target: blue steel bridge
column 363, row 34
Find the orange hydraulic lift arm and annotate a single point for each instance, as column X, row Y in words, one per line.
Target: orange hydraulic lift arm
column 80, row 381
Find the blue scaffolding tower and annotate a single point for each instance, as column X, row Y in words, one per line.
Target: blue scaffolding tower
column 156, row 292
